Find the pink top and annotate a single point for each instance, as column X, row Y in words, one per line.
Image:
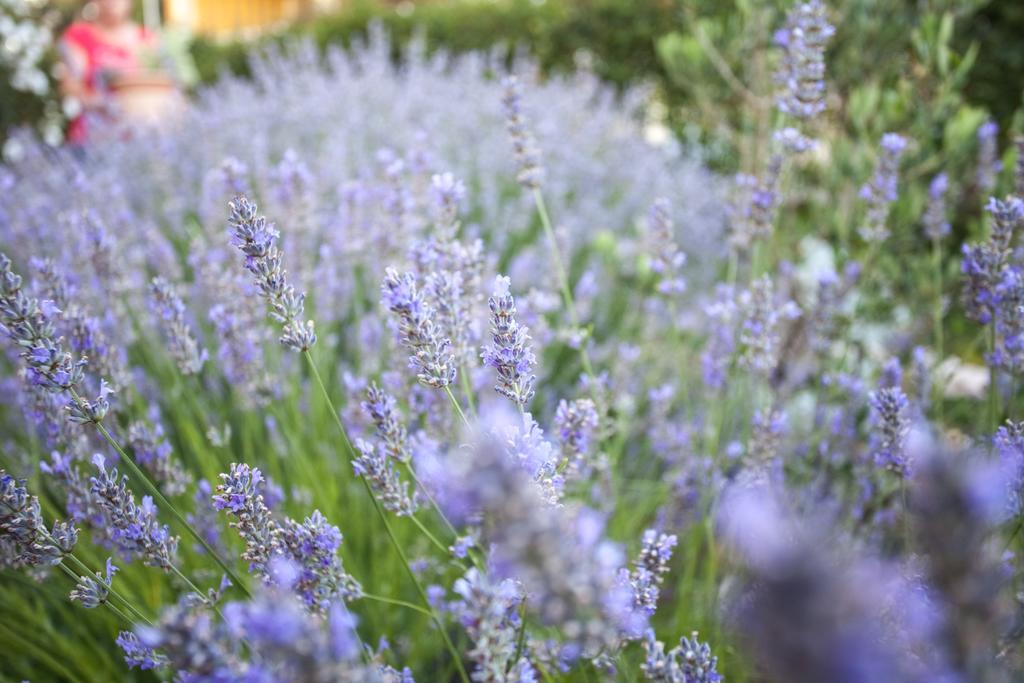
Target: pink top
column 102, row 59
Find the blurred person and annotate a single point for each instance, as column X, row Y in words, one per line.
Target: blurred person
column 107, row 68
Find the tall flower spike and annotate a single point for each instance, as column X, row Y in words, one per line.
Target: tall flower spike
column 383, row 410
column 431, row 357
column 649, row 570
column 883, row 188
column 255, row 237
column 448, row 192
column 760, row 334
column 531, row 173
column 576, row 424
column 171, row 311
column 374, row 464
column 24, row 540
column 936, row 222
column 510, row 352
column 94, row 591
column 666, row 258
column 29, row 324
column 989, row 164
column 152, row 450
column 313, row 546
column 984, row 263
column 689, row 662
column 488, row 611
column 138, row 655
column 752, row 207
column 801, row 74
column 240, row 494
column 135, row 528
column 300, row 556
column 889, row 408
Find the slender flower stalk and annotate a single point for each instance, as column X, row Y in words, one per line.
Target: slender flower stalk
column 384, row 520
column 530, row 177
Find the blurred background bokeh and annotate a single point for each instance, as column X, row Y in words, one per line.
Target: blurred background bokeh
column 661, row 42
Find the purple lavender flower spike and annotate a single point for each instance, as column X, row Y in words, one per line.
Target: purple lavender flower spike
column 240, row 495
column 29, row 325
column 309, row 550
column 431, row 358
column 135, row 529
column 375, row 464
column 936, row 222
column 24, row 539
column 989, row 164
column 689, row 662
column 256, row 238
column 890, row 417
column 138, row 655
column 383, row 410
column 667, row 260
column 882, row 189
column 801, row 74
column 153, row 452
column 530, row 171
column 760, row 335
column 92, row 592
column 171, row 313
column 576, row 424
column 510, row 352
column 985, row 264
column 489, row 612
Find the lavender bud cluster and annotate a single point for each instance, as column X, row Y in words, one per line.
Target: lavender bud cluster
column 309, row 548
column 689, row 662
column 29, row 324
column 891, row 420
column 24, row 539
column 431, row 358
column 667, row 260
column 170, row 310
column 510, row 352
column 801, row 74
column 135, row 529
column 882, row 189
column 530, row 172
column 256, row 238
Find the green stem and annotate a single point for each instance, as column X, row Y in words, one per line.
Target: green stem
column 563, row 277
column 467, row 390
column 419, row 587
column 113, row 591
column 74, row 577
column 392, row 601
column 426, row 532
column 458, row 408
column 383, row 518
column 163, row 502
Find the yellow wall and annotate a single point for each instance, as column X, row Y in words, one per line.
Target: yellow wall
column 230, row 16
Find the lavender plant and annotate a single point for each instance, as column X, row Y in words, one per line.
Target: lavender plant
column 674, row 444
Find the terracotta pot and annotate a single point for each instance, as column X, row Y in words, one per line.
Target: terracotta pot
column 147, row 97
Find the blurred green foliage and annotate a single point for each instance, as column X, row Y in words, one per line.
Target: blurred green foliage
column 685, row 46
